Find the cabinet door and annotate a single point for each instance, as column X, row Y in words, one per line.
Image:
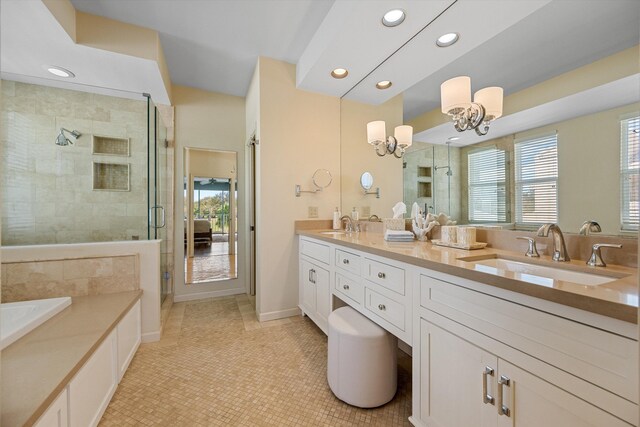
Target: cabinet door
column 452, row 375
column 91, row 389
column 532, row 402
column 323, row 295
column 128, row 332
column 57, row 414
column 308, row 289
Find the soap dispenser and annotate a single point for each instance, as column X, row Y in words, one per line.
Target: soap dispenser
column 336, row 220
column 354, row 214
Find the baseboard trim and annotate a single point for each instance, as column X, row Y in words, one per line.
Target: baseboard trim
column 281, row 314
column 208, row 294
column 151, row 336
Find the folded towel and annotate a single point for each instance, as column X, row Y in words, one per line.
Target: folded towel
column 398, row 233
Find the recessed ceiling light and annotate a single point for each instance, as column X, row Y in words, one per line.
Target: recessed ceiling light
column 384, row 84
column 393, row 18
column 339, row 73
column 447, row 40
column 60, row 72
column 453, row 138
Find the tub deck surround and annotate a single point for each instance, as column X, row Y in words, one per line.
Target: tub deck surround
column 37, row 367
column 617, row 299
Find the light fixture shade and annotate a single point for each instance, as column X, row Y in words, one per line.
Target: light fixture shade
column 491, row 99
column 376, row 132
column 404, row 135
column 455, row 93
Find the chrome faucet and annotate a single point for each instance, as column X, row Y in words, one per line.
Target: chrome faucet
column 374, row 218
column 559, row 248
column 348, row 223
column 596, row 256
column 590, row 226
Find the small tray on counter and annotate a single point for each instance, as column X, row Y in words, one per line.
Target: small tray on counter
column 476, row 245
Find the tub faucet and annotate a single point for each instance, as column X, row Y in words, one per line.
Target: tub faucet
column 559, row 248
column 348, row 223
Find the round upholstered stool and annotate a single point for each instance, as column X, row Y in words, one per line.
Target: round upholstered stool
column 362, row 363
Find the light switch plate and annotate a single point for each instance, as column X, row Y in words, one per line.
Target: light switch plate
column 313, row 212
column 366, row 212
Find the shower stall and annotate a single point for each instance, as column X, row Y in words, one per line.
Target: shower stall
column 84, row 164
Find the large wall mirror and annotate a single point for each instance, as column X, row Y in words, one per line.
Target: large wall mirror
column 565, row 149
column 210, row 215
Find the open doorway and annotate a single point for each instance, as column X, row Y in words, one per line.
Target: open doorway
column 211, row 196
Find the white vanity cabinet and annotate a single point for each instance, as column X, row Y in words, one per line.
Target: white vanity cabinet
column 314, row 282
column 57, row 414
column 486, row 361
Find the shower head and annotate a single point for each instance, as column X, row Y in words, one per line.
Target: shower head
column 63, row 141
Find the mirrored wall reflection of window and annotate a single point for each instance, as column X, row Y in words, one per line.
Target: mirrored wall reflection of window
column 210, row 217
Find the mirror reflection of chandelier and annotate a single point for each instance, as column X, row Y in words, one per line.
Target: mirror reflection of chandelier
column 455, row 97
column 383, row 144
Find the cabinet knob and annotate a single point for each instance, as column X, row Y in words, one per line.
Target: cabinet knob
column 382, row 307
column 345, row 261
column 381, row 275
column 345, row 287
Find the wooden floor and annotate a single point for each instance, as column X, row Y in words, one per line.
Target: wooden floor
column 210, row 262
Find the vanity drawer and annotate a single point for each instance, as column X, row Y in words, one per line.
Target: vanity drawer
column 315, row 250
column 385, row 308
column 597, row 356
column 348, row 261
column 385, row 275
column 350, row 288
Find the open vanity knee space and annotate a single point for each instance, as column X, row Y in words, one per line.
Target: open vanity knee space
column 488, row 349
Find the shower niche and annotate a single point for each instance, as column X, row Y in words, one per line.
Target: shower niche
column 111, row 176
column 109, row 146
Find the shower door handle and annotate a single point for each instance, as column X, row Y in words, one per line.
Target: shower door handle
column 152, row 218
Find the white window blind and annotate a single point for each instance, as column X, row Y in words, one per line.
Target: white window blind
column 536, row 175
column 629, row 173
column 487, row 185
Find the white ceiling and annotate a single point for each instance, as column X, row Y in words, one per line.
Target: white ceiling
column 214, row 45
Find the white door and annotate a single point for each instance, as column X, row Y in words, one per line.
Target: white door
column 307, row 272
column 323, row 296
column 452, row 378
column 530, row 401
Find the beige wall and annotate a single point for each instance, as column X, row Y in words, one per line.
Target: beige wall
column 358, row 156
column 48, row 189
column 299, row 132
column 212, row 121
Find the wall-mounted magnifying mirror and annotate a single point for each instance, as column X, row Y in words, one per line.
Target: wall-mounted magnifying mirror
column 366, row 180
column 322, row 178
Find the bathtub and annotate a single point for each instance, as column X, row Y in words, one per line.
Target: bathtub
column 19, row 318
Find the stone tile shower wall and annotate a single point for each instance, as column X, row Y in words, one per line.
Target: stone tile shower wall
column 30, row 280
column 48, row 190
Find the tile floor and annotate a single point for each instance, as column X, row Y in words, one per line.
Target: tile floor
column 216, row 365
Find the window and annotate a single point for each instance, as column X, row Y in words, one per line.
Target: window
column 536, row 175
column 487, row 185
column 629, row 169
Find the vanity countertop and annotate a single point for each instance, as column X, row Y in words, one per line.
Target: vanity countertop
column 617, row 299
column 37, row 367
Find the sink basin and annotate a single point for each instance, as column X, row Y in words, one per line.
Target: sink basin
column 333, row 233
column 537, row 273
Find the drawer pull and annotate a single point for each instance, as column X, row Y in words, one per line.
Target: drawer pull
column 382, row 307
column 486, row 397
column 345, row 261
column 502, row 408
column 345, row 287
column 381, row 275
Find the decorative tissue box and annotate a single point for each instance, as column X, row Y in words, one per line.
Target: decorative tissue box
column 392, row 224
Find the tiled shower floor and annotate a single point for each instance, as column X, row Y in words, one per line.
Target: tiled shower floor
column 217, row 366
